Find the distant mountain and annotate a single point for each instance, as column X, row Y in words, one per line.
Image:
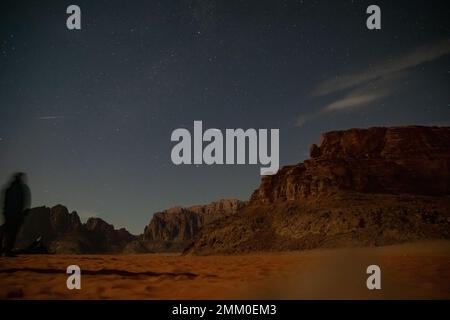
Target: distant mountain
column 63, row 232
column 361, row 187
column 168, row 231
column 175, row 228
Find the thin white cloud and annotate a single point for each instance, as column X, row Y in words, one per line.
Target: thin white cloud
column 50, row 117
column 363, row 96
column 357, row 98
column 372, row 84
column 401, row 63
column 352, row 101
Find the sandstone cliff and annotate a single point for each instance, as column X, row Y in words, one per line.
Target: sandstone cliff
column 360, row 187
column 174, row 228
column 414, row 160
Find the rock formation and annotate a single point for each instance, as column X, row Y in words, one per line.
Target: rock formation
column 104, row 237
column 414, row 160
column 63, row 232
column 174, row 228
column 168, row 231
column 360, row 187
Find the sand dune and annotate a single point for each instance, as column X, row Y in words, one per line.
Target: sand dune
column 409, row 271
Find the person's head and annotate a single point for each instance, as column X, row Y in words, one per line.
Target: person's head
column 19, row 176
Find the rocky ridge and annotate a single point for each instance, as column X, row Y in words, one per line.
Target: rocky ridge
column 371, row 186
column 63, row 232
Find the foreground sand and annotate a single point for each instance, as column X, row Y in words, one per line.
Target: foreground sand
column 409, row 271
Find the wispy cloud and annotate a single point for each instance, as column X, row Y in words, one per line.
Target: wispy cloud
column 401, row 63
column 352, row 101
column 51, row 117
column 375, row 83
column 365, row 94
column 357, row 98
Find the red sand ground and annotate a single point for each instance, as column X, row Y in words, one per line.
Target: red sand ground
column 409, row 271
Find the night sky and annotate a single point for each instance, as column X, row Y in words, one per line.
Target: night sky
column 88, row 114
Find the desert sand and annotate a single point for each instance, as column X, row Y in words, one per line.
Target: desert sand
column 409, row 271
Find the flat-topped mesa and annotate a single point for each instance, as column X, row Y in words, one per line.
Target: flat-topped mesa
column 413, row 142
column 410, row 159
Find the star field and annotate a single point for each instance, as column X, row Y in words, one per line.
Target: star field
column 88, row 114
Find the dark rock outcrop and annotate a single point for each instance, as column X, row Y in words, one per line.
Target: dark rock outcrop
column 63, row 232
column 169, row 231
column 360, row 187
column 104, row 237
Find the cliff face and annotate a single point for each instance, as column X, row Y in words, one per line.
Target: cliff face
column 414, row 160
column 183, row 224
column 360, row 187
column 170, row 230
column 63, row 232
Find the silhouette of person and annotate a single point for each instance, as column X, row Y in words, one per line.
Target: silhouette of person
column 16, row 202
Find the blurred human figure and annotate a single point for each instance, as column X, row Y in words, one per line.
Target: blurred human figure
column 16, row 202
